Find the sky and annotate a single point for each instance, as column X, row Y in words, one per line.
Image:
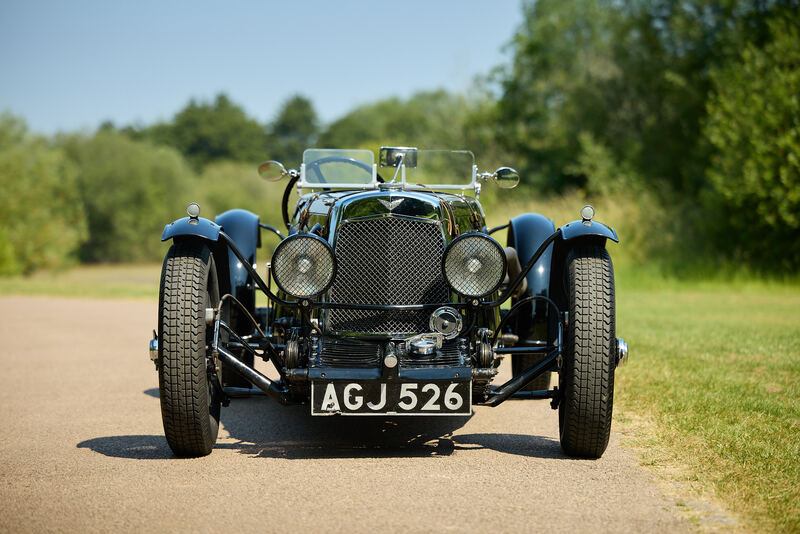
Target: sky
column 70, row 65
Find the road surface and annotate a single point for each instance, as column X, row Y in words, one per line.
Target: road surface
column 83, row 450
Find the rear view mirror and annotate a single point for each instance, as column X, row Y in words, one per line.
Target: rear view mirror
column 391, row 156
column 506, row 178
column 272, row 171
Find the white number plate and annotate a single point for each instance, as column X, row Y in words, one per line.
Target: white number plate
column 435, row 397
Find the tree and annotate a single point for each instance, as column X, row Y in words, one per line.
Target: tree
column 42, row 221
column 205, row 132
column 227, row 185
column 433, row 119
column 632, row 75
column 130, row 189
column 295, row 128
column 754, row 126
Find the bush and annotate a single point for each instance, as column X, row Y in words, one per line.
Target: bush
column 42, row 221
column 130, row 189
column 227, row 185
column 210, row 131
column 754, row 125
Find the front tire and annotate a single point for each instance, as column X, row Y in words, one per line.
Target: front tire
column 190, row 406
column 586, row 378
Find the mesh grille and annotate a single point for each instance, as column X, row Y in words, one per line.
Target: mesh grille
column 474, row 265
column 302, row 266
column 389, row 260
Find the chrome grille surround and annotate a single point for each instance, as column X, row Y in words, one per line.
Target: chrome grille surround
column 387, row 260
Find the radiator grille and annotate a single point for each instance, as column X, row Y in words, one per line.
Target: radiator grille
column 350, row 353
column 390, row 260
column 448, row 356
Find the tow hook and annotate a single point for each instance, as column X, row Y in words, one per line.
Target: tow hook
column 154, row 349
column 622, row 352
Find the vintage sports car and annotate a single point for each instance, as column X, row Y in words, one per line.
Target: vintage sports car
column 384, row 299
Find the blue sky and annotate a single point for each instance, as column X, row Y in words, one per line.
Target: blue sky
column 68, row 65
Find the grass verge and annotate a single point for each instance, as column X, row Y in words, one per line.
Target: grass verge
column 96, row 281
column 717, row 369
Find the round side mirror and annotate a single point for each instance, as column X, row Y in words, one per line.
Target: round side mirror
column 506, row 178
column 272, row 171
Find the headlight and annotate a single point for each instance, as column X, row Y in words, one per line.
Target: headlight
column 474, row 264
column 303, row 265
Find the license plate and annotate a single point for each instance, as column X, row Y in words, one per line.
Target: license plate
column 434, row 397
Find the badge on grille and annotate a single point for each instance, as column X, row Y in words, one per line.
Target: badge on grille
column 391, row 204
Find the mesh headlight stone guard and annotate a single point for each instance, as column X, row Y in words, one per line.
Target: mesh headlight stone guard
column 303, row 265
column 474, row 264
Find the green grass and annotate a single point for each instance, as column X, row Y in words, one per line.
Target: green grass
column 712, row 389
column 96, row 281
column 715, row 369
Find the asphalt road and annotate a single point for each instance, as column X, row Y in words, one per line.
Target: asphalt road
column 83, row 450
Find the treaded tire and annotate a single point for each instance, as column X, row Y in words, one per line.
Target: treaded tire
column 189, row 407
column 587, row 375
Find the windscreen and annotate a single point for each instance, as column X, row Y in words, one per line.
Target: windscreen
column 338, row 167
column 442, row 167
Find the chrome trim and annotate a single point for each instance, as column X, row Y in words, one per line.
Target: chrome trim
column 434, row 322
column 424, row 347
column 154, row 349
column 432, row 337
column 351, row 207
column 622, row 352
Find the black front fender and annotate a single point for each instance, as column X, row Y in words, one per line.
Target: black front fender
column 242, row 228
column 573, row 235
column 187, row 226
column 526, row 233
column 579, row 229
column 209, row 231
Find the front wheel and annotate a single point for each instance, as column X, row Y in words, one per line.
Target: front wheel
column 586, row 378
column 190, row 405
